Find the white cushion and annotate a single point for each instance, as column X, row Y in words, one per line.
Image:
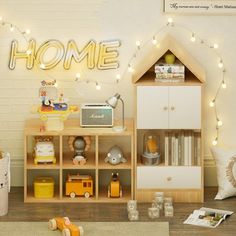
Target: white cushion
column 226, row 172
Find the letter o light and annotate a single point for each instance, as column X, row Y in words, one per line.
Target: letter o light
column 56, row 59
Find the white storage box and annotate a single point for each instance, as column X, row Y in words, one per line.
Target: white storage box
column 4, row 183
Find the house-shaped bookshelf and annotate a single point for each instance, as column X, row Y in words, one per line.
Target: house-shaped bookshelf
column 171, row 111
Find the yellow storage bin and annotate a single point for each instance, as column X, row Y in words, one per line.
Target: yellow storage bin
column 44, row 187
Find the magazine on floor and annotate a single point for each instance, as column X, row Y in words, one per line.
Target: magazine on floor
column 207, row 217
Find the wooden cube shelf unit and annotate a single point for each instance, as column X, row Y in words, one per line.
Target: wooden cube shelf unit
column 170, row 107
column 102, row 139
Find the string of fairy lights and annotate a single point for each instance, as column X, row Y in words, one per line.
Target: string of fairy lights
column 194, row 38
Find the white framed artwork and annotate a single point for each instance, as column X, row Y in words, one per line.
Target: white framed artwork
column 208, row 7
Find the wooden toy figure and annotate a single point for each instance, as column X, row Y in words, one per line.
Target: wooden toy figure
column 67, row 228
column 114, row 188
column 79, row 145
column 47, row 94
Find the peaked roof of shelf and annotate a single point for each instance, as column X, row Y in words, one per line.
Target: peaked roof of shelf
column 169, row 43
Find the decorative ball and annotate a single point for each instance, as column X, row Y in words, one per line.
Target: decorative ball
column 170, row 58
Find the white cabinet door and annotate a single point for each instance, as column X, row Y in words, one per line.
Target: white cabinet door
column 152, row 107
column 185, row 107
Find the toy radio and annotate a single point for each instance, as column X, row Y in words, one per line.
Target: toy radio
column 96, row 115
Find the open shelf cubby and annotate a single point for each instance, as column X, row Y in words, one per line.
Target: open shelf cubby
column 101, row 141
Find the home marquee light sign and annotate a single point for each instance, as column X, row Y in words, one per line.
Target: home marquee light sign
column 200, row 6
column 103, row 55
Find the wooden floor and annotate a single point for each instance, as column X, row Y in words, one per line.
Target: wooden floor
column 19, row 211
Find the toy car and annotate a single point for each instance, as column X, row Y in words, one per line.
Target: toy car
column 44, row 152
column 114, row 188
column 67, row 228
column 79, row 185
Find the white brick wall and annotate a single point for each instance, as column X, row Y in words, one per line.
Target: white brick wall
column 102, row 20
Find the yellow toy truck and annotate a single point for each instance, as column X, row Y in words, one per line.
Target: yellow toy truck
column 114, row 188
column 79, row 185
column 66, row 227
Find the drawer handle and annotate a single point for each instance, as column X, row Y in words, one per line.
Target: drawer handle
column 165, row 108
column 172, row 108
column 169, row 178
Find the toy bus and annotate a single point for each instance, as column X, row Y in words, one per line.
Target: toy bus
column 79, row 185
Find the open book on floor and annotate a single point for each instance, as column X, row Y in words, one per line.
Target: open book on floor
column 207, row 217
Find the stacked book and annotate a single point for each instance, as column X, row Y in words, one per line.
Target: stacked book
column 170, row 72
column 183, row 148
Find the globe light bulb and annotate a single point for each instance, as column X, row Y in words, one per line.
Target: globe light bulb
column 130, row 68
column 154, row 41
column 193, row 38
column 118, row 77
column 224, row 86
column 138, row 43
column 98, row 87
column 219, row 122
column 170, row 20
column 12, row 28
column 56, row 85
column 27, row 31
column 214, row 142
column 78, row 75
column 220, row 64
column 1, row 18
column 212, row 103
column 215, row 46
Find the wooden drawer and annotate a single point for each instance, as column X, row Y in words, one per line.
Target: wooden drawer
column 170, row 177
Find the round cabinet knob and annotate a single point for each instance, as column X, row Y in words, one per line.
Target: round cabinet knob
column 165, row 108
column 172, row 108
column 169, row 178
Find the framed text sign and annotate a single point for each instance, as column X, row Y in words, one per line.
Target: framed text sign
column 223, row 7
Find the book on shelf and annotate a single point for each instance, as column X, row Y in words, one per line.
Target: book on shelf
column 170, row 72
column 179, row 150
column 182, row 148
column 176, row 68
column 166, row 80
column 167, row 149
column 191, row 149
column 169, row 141
column 198, row 149
column 186, row 152
column 172, row 149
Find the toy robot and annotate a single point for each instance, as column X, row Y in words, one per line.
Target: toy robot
column 79, row 145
